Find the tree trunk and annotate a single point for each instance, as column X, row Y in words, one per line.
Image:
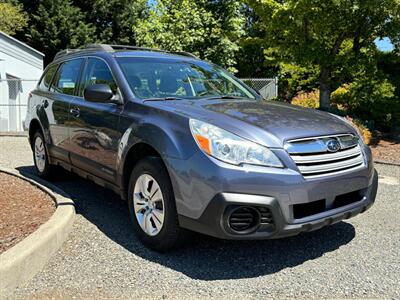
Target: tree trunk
column 325, row 96
column 324, row 90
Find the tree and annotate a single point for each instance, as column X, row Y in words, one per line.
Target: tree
column 113, row 19
column 55, row 25
column 209, row 29
column 13, row 19
column 332, row 36
column 250, row 57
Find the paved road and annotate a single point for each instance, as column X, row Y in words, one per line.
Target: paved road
column 102, row 258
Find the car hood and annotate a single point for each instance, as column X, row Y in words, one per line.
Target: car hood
column 283, row 120
column 264, row 121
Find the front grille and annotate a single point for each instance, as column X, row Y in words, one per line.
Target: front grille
column 313, row 158
column 348, row 198
column 303, row 210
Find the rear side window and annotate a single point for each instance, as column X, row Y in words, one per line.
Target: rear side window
column 44, row 84
column 97, row 72
column 67, row 76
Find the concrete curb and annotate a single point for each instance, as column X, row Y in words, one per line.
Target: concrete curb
column 14, row 134
column 24, row 260
column 382, row 162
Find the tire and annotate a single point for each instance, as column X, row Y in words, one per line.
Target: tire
column 146, row 205
column 40, row 156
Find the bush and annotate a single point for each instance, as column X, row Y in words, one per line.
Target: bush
column 362, row 129
column 311, row 100
column 341, row 96
column 307, row 99
column 371, row 100
column 340, row 100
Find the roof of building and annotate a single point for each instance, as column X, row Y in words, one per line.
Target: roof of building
column 19, row 43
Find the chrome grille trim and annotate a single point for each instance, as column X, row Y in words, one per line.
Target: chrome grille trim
column 313, row 164
column 334, row 173
column 326, row 156
column 331, row 166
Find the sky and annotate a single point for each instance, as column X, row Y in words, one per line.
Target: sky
column 384, row 44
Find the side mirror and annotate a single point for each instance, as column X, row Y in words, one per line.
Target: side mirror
column 98, row 93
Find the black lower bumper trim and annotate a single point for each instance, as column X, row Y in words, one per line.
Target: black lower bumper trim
column 214, row 221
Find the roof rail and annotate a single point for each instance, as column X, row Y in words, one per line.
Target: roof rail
column 104, row 47
column 184, row 53
column 88, row 47
column 65, row 52
column 107, row 47
column 127, row 47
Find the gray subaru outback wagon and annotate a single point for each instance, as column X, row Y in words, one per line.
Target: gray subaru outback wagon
column 189, row 146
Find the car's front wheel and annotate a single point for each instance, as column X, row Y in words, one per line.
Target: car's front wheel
column 152, row 206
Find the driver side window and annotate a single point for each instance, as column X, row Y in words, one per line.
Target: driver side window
column 97, row 72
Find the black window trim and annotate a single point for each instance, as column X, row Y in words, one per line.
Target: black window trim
column 57, row 65
column 86, row 57
column 60, row 63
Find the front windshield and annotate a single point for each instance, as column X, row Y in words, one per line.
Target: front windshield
column 151, row 78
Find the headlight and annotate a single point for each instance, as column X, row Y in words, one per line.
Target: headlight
column 230, row 148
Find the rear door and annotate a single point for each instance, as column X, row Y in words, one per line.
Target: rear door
column 94, row 132
column 38, row 100
column 57, row 105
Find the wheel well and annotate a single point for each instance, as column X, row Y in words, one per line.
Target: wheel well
column 136, row 153
column 34, row 126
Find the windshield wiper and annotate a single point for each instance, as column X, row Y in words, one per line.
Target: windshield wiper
column 162, row 99
column 224, row 97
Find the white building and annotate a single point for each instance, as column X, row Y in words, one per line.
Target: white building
column 20, row 68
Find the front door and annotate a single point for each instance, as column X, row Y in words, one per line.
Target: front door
column 94, row 136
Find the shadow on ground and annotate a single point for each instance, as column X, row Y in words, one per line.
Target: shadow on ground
column 203, row 258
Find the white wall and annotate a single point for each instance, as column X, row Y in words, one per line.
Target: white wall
column 17, row 60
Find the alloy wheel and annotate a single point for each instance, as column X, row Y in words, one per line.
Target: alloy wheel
column 40, row 154
column 148, row 204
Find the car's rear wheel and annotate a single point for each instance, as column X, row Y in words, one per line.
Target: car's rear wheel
column 152, row 206
column 40, row 158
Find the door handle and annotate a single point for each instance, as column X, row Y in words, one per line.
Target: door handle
column 75, row 112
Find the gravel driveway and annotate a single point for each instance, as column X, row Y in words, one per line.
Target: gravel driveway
column 102, row 259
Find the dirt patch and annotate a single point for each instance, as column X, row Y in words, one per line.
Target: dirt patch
column 23, row 208
column 386, row 150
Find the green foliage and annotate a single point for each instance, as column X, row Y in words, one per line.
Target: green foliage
column 332, row 36
column 209, row 29
column 389, row 65
column 294, row 79
column 113, row 20
column 341, row 95
column 57, row 25
column 12, row 18
column 373, row 100
column 250, row 57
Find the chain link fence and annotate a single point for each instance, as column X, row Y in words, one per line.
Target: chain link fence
column 14, row 96
column 267, row 87
column 13, row 102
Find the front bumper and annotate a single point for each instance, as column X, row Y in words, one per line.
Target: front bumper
column 214, row 219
